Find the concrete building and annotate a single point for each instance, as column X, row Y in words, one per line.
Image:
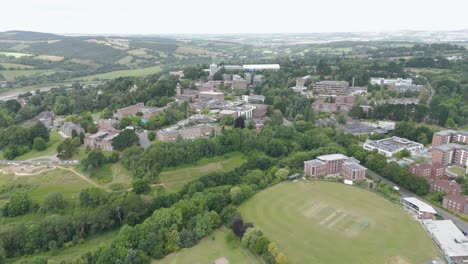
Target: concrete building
column 335, row 164
column 240, row 84
column 192, row 132
column 449, row 136
column 129, row 110
column 211, row 95
column 300, row 84
column 253, row 98
column 420, row 209
column 449, row 239
column 391, row 82
column 456, row 202
column 390, row 146
column 68, row 128
column 451, row 154
column 227, row 112
column 330, row 87
column 342, row 104
column 101, row 140
column 213, row 69
column 261, row 67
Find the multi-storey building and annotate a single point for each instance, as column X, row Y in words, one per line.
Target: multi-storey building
column 201, row 130
column 449, row 136
column 211, row 95
column 443, row 185
column 330, row 87
column 335, row 164
column 129, row 110
column 421, row 169
column 391, row 82
column 456, row 202
column 101, row 140
column 450, row 154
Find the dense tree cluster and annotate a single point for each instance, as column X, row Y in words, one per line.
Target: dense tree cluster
column 18, row 140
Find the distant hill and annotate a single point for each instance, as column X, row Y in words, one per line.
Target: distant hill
column 28, row 36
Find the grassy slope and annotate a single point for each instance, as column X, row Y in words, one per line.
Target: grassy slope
column 10, row 75
column 321, row 222
column 109, row 174
column 14, row 54
column 175, row 178
column 122, row 73
column 209, row 250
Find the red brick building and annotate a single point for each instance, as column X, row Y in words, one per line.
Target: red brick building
column 456, row 202
column 421, row 169
column 334, row 164
column 449, row 187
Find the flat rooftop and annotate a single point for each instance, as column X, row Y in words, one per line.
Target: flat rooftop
column 210, row 93
column 332, row 157
column 393, row 144
column 423, row 207
column 449, row 238
column 451, row 146
column 354, row 166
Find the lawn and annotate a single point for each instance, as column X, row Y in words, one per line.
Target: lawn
column 16, row 66
column 324, row 222
column 122, row 73
column 175, row 178
column 110, row 174
column 209, row 250
column 10, row 75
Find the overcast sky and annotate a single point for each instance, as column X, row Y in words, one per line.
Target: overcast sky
column 240, row 16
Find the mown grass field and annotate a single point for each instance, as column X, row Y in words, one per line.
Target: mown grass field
column 16, row 66
column 122, row 73
column 109, row 174
column 175, row 178
column 209, row 250
column 10, row 75
column 324, row 222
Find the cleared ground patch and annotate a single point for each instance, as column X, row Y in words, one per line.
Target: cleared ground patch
column 209, row 250
column 49, row 57
column 175, row 179
column 14, row 54
column 122, row 73
column 323, row 222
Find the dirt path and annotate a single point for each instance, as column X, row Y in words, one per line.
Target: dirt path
column 151, row 185
column 81, row 176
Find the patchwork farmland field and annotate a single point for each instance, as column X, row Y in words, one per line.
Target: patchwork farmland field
column 324, row 222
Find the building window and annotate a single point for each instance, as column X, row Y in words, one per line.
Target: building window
column 354, row 175
column 313, row 170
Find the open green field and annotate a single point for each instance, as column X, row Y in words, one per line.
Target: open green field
column 75, row 252
column 174, row 179
column 209, row 250
column 10, row 75
column 122, row 73
column 15, row 66
column 14, row 54
column 325, row 222
column 427, row 70
column 109, row 174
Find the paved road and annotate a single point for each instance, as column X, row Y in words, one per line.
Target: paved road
column 32, row 162
column 463, row 225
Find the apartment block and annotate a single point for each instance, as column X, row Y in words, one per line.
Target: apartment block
column 449, row 136
column 451, row 154
column 330, row 87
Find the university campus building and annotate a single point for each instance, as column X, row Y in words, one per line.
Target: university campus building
column 335, row 164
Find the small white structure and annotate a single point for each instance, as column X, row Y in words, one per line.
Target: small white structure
column 260, row 67
column 391, row 82
column 348, row 182
column 449, row 239
column 420, row 209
